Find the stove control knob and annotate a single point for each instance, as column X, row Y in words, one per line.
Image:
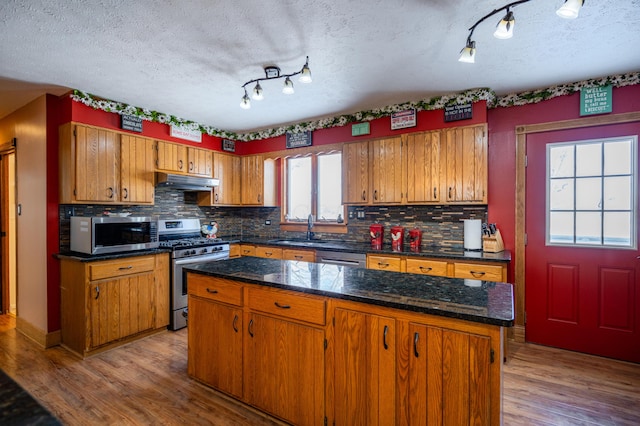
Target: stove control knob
column 203, row 251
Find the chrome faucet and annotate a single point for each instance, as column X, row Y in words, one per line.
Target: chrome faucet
column 309, row 227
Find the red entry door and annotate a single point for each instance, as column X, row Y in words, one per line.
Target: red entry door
column 585, row 299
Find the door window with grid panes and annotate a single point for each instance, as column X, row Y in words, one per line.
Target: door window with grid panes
column 592, row 193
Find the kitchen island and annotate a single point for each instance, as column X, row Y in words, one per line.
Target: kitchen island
column 314, row 343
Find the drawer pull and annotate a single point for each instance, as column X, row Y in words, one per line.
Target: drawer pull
column 383, row 265
column 124, row 268
column 235, row 323
column 416, row 336
column 268, row 253
column 282, row 306
column 297, row 256
column 384, row 337
column 212, row 291
column 477, row 274
column 425, row 269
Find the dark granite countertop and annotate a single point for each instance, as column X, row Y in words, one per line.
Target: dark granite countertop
column 354, row 247
column 82, row 257
column 472, row 300
column 17, row 407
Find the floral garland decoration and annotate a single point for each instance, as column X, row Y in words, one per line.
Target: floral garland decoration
column 438, row 102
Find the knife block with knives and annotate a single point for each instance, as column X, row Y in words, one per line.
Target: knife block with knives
column 491, row 239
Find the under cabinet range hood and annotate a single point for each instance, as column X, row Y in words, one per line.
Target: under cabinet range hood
column 185, row 183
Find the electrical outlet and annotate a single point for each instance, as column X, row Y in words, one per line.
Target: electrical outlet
column 360, row 215
column 351, row 214
column 68, row 212
column 267, row 222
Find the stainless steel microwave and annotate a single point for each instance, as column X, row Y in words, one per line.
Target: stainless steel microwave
column 99, row 235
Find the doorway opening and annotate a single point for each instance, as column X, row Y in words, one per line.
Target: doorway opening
column 8, row 293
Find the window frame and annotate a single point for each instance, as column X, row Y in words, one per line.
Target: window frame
column 634, row 194
column 301, row 225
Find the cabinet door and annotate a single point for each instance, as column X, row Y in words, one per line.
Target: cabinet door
column 355, row 173
column 423, row 167
column 252, row 180
column 171, row 157
column 215, row 345
column 120, row 307
column 227, row 168
column 465, row 168
column 387, row 171
column 137, row 168
column 200, row 162
column 284, row 369
column 97, row 166
column 365, row 374
column 448, row 377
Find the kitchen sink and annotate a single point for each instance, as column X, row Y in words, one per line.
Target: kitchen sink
column 299, row 242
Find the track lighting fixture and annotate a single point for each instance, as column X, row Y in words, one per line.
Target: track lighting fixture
column 504, row 29
column 273, row 72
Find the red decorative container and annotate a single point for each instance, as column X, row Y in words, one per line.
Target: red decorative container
column 415, row 239
column 397, row 237
column 376, row 232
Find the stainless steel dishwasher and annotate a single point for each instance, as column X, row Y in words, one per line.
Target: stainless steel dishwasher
column 356, row 260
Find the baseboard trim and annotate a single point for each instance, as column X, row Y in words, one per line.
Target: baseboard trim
column 40, row 337
column 519, row 333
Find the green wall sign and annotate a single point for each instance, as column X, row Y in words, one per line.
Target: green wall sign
column 360, row 129
column 595, row 100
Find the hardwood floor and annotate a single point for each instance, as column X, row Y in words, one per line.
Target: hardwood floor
column 145, row 382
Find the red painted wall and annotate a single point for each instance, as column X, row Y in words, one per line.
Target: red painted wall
column 502, row 148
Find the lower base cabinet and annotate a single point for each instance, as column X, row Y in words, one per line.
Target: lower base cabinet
column 360, row 365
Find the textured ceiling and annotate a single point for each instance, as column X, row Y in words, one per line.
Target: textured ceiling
column 189, row 58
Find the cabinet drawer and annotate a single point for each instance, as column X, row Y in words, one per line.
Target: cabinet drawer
column 288, row 305
column 269, row 252
column 218, row 289
column 117, row 268
column 427, row 267
column 384, row 263
column 303, row 255
column 478, row 271
column 235, row 250
column 247, row 250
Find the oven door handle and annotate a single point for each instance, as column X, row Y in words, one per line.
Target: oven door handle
column 200, row 259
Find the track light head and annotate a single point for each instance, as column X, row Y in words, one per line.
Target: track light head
column 468, row 53
column 245, row 103
column 305, row 73
column 504, row 29
column 287, row 89
column 258, row 92
column 570, row 9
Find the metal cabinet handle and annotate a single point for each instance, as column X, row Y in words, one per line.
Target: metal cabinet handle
column 97, row 292
column 259, row 198
column 450, row 196
column 110, row 192
column 383, row 265
column 180, row 164
column 250, row 328
column 364, row 195
column 477, row 274
column 212, row 291
column 235, row 323
column 384, row 337
column 297, row 256
column 126, row 193
column 268, row 253
column 191, row 166
column 216, row 197
column 425, row 270
column 416, row 336
column 375, row 195
column 282, row 306
column 435, row 193
column 124, row 268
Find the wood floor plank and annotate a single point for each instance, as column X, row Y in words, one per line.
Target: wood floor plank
column 145, row 382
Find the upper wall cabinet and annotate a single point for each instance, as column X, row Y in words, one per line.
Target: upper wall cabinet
column 446, row 166
column 226, row 168
column 104, row 167
column 177, row 158
column 372, row 172
column 465, row 164
column 258, row 181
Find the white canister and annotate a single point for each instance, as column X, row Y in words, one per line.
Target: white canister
column 472, row 234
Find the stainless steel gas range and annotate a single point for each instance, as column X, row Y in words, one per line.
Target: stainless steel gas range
column 188, row 248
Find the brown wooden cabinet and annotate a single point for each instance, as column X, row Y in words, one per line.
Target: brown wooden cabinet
column 388, row 174
column 384, row 263
column 200, row 162
column 216, row 333
column 268, row 252
column 355, row 173
column 171, row 157
column 226, row 168
column 299, row 254
column 423, row 167
column 98, row 166
column 258, row 181
column 111, row 301
column 465, row 164
column 365, row 368
column 235, row 251
column 445, row 376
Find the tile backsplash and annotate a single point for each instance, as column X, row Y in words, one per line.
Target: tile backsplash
column 440, row 225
